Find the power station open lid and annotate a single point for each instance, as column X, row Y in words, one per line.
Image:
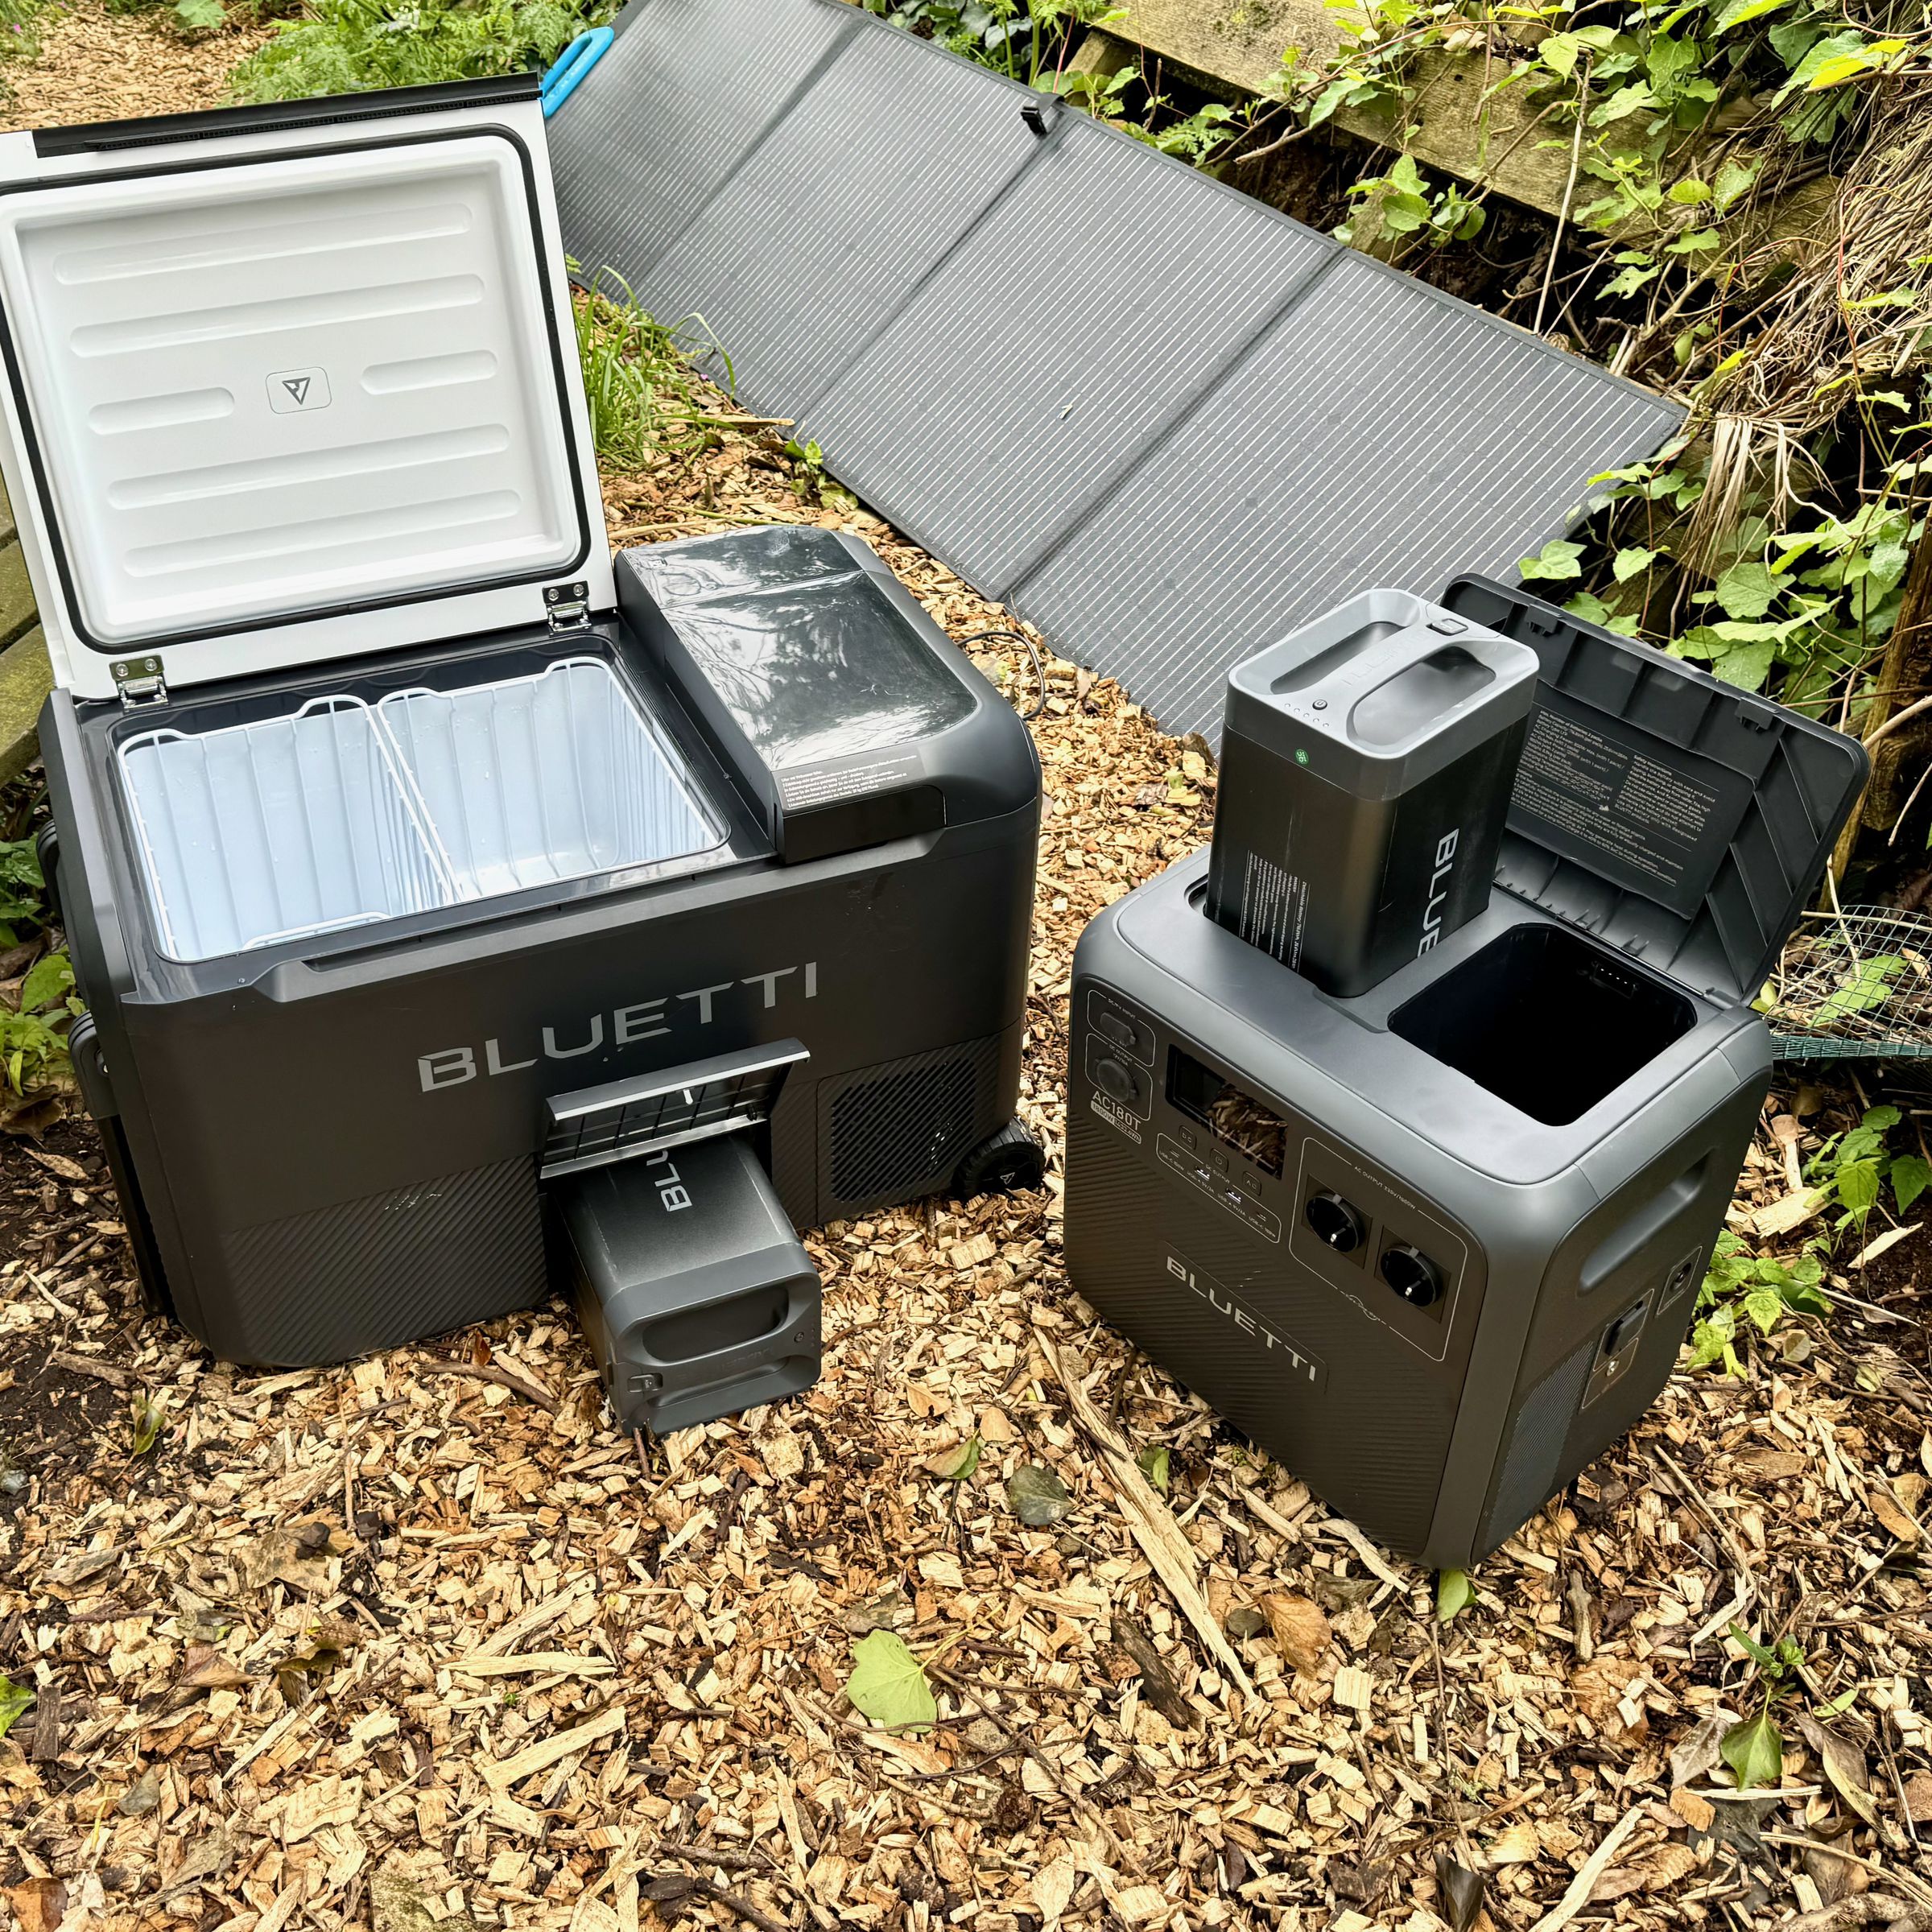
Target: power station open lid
column 1678, row 818
column 285, row 384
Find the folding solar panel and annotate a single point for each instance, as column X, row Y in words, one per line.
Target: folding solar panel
column 1162, row 419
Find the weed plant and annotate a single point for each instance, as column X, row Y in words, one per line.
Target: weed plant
column 342, row 47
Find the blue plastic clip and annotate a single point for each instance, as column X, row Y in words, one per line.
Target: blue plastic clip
column 572, row 64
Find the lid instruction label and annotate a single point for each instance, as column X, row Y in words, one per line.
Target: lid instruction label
column 800, row 790
column 1594, row 788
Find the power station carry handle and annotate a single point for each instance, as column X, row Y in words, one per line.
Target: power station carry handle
column 1631, row 1236
column 567, row 72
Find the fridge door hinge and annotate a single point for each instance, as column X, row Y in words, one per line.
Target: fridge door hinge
column 567, row 606
column 139, row 682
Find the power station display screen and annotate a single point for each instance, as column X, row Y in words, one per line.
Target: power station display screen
column 1235, row 1118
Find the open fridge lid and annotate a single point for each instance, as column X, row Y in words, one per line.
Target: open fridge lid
column 1683, row 820
column 291, row 383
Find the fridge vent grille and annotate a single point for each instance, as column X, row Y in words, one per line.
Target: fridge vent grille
column 900, row 1129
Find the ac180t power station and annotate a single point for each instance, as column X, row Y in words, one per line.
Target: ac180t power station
column 1435, row 1244
column 428, row 880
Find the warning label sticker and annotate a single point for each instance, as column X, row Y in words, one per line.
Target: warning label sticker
column 801, row 790
column 1600, row 795
column 1274, row 908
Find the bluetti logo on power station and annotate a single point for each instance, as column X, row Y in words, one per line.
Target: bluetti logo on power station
column 1296, row 1360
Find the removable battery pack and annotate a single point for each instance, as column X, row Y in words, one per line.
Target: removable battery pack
column 696, row 1295
column 1365, row 769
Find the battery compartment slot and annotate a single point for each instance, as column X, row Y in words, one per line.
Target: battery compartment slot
column 1547, row 1022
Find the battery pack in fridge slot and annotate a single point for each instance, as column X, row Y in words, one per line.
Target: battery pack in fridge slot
column 696, row 1295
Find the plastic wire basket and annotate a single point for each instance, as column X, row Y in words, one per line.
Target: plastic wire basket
column 340, row 814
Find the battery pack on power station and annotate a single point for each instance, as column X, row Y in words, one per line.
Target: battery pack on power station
column 1366, row 762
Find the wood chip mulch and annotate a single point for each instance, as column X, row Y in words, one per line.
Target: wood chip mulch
column 423, row 1641
column 99, row 64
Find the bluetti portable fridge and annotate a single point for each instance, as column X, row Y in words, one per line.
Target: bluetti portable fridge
column 419, row 866
column 1435, row 1246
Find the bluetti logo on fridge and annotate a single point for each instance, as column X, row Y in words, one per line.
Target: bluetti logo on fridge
column 1439, row 890
column 1294, row 1359
column 622, row 1026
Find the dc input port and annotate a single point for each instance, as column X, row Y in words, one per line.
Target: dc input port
column 1335, row 1223
column 1413, row 1276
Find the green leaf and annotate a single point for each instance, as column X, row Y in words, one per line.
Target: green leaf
column 151, row 1412
column 14, row 1699
column 1690, row 193
column 1631, row 563
column 957, row 1465
column 1746, row 666
column 1037, row 1497
column 1760, row 1655
column 888, row 1684
column 50, row 979
column 1766, row 1307
column 1737, row 12
column 1454, row 1592
column 1755, row 1750
column 1553, row 562
column 1857, row 1182
column 1152, row 1463
column 1911, row 1177
column 201, row 14
column 1747, row 589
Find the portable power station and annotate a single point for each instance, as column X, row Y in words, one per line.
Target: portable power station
column 1435, row 1246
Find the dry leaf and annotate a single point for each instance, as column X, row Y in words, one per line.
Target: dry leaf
column 1695, row 1755
column 39, row 1905
column 1844, row 1765
column 1898, row 1523
column 1300, row 1627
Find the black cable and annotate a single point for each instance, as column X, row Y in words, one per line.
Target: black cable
column 1033, row 651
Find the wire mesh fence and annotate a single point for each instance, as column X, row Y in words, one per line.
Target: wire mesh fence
column 1856, row 984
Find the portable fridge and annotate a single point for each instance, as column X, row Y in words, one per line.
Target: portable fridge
column 421, row 867
column 1435, row 1246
